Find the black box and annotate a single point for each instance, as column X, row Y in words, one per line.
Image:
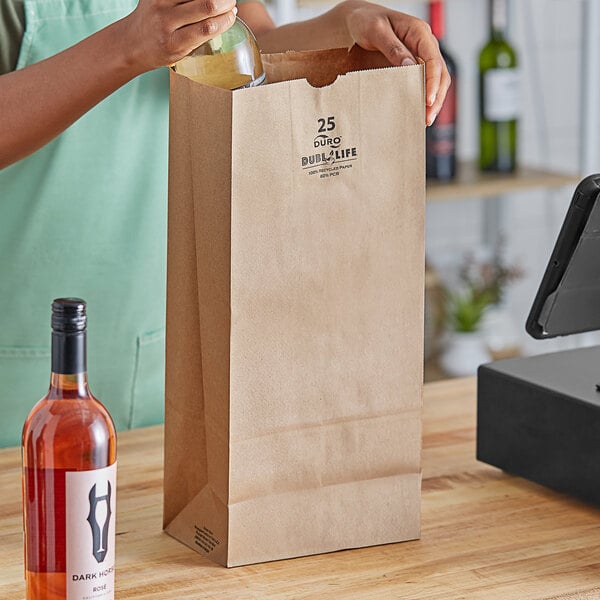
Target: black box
column 539, row 418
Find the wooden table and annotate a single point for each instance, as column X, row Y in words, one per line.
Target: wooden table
column 485, row 534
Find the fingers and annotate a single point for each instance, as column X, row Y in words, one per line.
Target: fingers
column 401, row 38
column 194, row 11
column 436, row 86
column 161, row 32
column 398, row 54
column 383, row 38
column 418, row 37
column 437, row 79
column 190, row 36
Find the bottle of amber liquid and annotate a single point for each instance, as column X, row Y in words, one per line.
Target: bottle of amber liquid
column 230, row 60
column 69, row 475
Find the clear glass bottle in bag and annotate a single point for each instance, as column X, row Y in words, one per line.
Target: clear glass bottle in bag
column 231, row 60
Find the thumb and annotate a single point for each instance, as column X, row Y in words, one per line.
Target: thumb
column 395, row 51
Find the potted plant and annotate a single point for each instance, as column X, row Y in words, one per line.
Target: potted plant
column 465, row 347
column 497, row 325
column 477, row 324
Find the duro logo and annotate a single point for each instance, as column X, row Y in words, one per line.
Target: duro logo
column 326, row 141
column 332, row 144
column 99, row 530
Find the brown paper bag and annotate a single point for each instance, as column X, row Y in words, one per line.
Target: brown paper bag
column 295, row 309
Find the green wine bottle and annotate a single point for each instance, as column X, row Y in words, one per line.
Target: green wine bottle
column 499, row 96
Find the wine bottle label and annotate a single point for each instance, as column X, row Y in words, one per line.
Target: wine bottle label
column 90, row 533
column 501, row 95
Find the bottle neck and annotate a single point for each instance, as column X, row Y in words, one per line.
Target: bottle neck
column 498, row 19
column 69, row 376
column 436, row 19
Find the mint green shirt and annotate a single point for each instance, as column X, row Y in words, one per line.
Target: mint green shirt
column 85, row 216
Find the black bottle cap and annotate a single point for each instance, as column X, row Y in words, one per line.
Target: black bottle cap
column 68, row 315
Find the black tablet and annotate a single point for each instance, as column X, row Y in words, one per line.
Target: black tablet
column 568, row 299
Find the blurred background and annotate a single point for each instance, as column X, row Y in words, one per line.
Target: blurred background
column 501, row 226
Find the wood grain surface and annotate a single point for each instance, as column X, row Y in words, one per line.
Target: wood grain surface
column 485, row 534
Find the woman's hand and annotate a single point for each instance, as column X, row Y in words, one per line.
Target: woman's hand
column 401, row 38
column 160, row 32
